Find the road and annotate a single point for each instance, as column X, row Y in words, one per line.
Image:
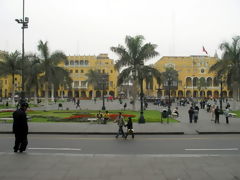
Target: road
column 88, row 157
column 142, row 144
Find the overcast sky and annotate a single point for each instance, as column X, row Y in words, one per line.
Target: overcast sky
column 91, row 27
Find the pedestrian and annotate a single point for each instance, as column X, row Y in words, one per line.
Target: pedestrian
column 124, row 107
column 74, row 100
column 190, row 113
column 95, row 100
column 20, row 128
column 195, row 114
column 129, row 126
column 106, row 117
column 226, row 113
column 213, row 112
column 78, row 104
column 120, row 122
column 99, row 117
column 217, row 113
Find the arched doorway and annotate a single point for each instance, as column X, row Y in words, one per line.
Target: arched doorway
column 209, row 82
column 76, row 94
column 112, row 93
column 188, row 94
column 202, row 94
column 230, row 94
column 98, row 94
column 90, row 94
column 195, row 94
column 83, row 94
column 216, row 94
column 209, row 94
column 180, row 93
column 70, row 94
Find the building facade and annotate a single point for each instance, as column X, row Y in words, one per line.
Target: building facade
column 79, row 66
column 190, row 70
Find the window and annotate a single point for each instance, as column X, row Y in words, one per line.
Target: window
column 81, row 63
column 66, row 63
column 76, row 84
column 76, row 71
column 86, row 62
column 202, row 70
column 83, row 83
column 72, row 63
column 71, row 71
column 111, row 71
column 111, row 84
column 5, row 81
column 103, row 71
column 82, row 71
column 15, row 79
column 76, row 63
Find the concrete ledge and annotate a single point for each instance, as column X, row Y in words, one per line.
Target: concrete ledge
column 219, row 132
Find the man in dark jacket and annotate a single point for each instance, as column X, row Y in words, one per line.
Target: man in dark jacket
column 20, row 128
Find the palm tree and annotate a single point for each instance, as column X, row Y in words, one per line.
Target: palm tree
column 10, row 65
column 229, row 66
column 201, row 84
column 132, row 58
column 33, row 71
column 92, row 77
column 49, row 65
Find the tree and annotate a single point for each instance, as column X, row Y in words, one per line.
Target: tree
column 49, row 66
column 92, row 77
column 201, row 84
column 132, row 58
column 10, row 65
column 228, row 66
column 33, row 71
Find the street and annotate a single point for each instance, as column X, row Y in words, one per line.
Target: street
column 167, row 157
column 142, row 144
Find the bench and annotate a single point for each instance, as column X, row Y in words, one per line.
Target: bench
column 92, row 120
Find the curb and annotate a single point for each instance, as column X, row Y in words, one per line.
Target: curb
column 101, row 133
column 226, row 132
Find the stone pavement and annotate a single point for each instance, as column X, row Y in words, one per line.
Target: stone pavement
column 204, row 125
column 63, row 166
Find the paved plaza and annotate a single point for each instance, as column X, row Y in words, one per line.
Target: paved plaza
column 204, row 125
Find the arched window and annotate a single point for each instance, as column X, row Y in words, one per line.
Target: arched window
column 86, row 62
column 81, row 62
column 195, row 80
column 215, row 82
column 209, row 82
column 76, row 63
column 188, row 81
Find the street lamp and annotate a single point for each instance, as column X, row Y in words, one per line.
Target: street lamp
column 141, row 118
column 169, row 91
column 221, row 94
column 103, row 81
column 24, row 21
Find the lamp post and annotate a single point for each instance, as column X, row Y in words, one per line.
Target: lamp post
column 103, row 81
column 141, row 118
column 24, row 21
column 169, row 91
column 221, row 94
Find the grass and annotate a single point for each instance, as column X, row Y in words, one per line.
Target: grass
column 237, row 112
column 48, row 116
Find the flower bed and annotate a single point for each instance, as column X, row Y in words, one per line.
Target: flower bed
column 114, row 116
column 80, row 116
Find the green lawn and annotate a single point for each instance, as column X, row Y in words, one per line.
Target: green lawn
column 57, row 116
column 237, row 112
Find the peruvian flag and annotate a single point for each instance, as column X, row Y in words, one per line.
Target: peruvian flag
column 204, row 50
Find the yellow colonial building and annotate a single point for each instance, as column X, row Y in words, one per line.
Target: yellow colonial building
column 190, row 69
column 79, row 66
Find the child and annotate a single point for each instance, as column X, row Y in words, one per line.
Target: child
column 129, row 126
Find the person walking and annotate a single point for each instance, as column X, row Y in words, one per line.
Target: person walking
column 78, row 104
column 195, row 114
column 129, row 126
column 190, row 113
column 226, row 113
column 20, row 128
column 120, row 122
column 124, row 107
column 217, row 113
column 213, row 112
